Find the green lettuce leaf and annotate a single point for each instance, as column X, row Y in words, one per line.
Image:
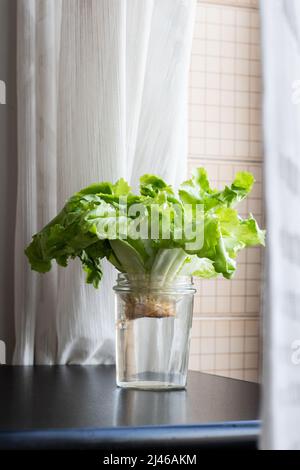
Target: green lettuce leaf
column 107, row 220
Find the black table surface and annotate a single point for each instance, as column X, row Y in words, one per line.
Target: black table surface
column 81, row 407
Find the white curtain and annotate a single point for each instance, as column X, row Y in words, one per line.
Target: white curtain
column 281, row 64
column 102, row 93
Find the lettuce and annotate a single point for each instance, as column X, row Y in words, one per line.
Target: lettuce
column 107, row 220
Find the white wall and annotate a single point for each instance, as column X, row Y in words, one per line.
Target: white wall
column 8, row 169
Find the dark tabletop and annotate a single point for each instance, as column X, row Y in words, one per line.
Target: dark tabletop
column 80, row 406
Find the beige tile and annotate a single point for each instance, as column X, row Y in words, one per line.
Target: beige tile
column 196, row 328
column 213, row 14
column 255, row 84
column 255, row 133
column 227, row 65
column 253, row 305
column 255, row 37
column 228, row 32
column 212, row 113
column 252, row 327
column 213, row 32
column 198, row 47
column 213, row 81
column 254, row 255
column 226, row 172
column 236, row 361
column 213, row 48
column 212, row 147
column 242, row 132
column 255, row 19
column 242, row 148
column 253, row 271
column 222, row 345
column 197, row 63
column 252, row 344
column 212, row 130
column 194, row 362
column 207, row 346
column 195, row 346
column 255, row 116
column 222, row 328
column 238, row 288
column 251, row 361
column 242, row 83
column 197, row 304
column 228, row 16
column 200, row 30
column 208, row 305
column 243, row 34
column 242, row 116
column 237, row 327
column 197, row 146
column 198, row 96
column 242, row 51
column 223, row 304
column 227, row 115
column 208, row 328
column 222, row 361
column 198, row 79
column 227, row 131
column 196, row 129
column 243, row 67
column 257, row 191
column 227, row 148
column 243, row 17
column 228, row 82
column 227, row 98
column 196, row 112
column 242, row 99
column 207, row 362
column 238, row 305
column 255, row 52
column 253, row 288
column 228, row 49
column 223, row 287
column 255, row 68
column 255, row 150
column 241, row 166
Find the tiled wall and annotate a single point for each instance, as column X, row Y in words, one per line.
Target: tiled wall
column 225, row 137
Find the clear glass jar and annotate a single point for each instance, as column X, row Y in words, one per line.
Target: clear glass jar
column 153, row 330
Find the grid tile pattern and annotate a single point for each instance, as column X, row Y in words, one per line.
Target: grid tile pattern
column 225, row 137
column 225, row 84
column 227, row 346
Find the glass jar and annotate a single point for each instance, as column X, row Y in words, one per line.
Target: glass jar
column 153, row 330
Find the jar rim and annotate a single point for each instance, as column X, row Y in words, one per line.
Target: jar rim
column 147, row 280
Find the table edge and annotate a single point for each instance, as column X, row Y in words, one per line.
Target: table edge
column 194, row 435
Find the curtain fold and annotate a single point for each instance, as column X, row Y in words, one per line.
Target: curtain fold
column 102, row 93
column 281, row 73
